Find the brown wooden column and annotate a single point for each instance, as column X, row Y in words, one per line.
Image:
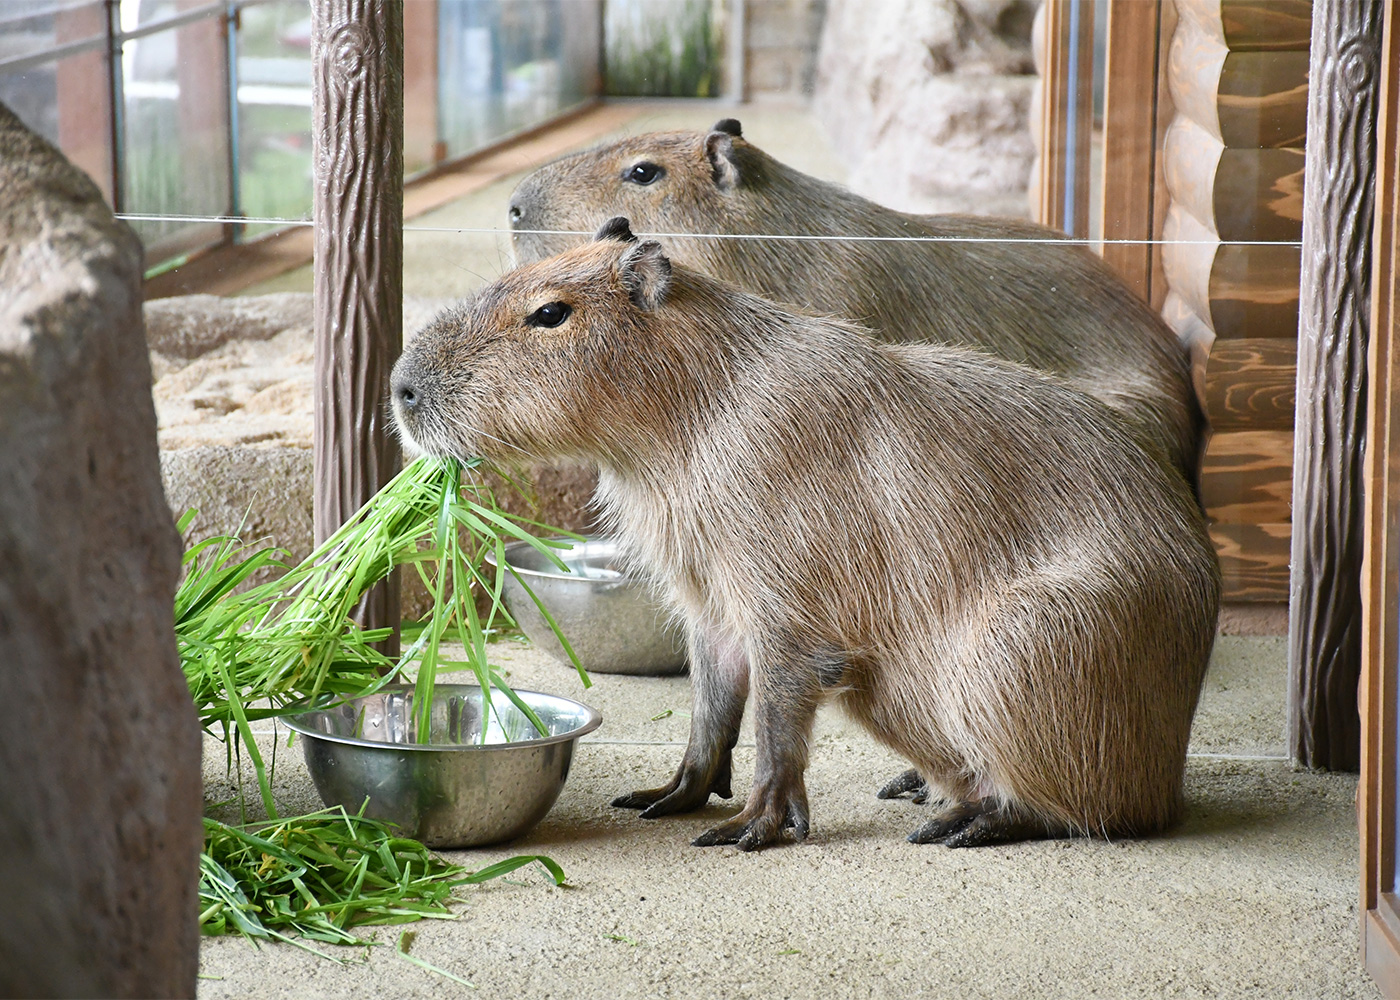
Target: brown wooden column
column 422, row 148
column 357, row 164
column 1131, row 112
column 1062, row 112
column 1324, row 641
column 1380, row 584
column 84, row 96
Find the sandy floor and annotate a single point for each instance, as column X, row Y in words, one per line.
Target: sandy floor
column 1254, row 895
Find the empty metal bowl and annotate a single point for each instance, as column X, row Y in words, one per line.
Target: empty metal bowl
column 451, row 791
column 611, row 620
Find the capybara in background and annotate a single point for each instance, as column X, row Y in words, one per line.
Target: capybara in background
column 1052, row 305
column 975, row 558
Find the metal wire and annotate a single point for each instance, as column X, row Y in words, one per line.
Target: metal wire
column 1057, row 240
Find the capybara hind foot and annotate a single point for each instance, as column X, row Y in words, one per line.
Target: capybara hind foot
column 686, row 792
column 949, row 820
column 977, row 824
column 762, row 822
column 910, row 781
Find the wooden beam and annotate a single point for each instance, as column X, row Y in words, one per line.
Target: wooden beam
column 1066, row 31
column 1130, row 140
column 1250, row 384
column 421, row 147
column 1253, row 560
column 1380, row 564
column 1246, row 477
column 83, row 84
column 357, row 170
column 1329, row 430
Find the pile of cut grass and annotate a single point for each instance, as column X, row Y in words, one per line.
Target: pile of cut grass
column 291, row 644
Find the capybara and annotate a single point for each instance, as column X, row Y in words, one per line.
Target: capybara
column 975, row 558
column 1052, row 305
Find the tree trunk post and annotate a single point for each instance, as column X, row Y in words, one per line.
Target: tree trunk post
column 1324, row 638
column 357, row 124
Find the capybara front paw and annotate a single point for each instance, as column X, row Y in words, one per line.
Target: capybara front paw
column 761, row 825
column 910, row 781
column 686, row 792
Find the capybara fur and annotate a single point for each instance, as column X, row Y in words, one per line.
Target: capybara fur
column 1052, row 305
column 975, row 558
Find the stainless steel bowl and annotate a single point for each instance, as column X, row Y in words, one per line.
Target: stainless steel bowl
column 611, row 620
column 451, row 791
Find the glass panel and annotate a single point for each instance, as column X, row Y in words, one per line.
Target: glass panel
column 664, row 48
column 274, row 111
column 63, row 100
column 505, row 66
column 175, row 100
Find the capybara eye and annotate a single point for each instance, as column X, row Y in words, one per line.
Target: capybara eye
column 551, row 314
column 644, row 173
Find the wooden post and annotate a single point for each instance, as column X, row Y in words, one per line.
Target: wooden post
column 357, row 165
column 1064, row 41
column 1130, row 115
column 1380, row 567
column 1324, row 640
column 84, row 97
column 422, row 147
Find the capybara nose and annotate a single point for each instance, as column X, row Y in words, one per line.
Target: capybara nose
column 515, row 213
column 406, row 395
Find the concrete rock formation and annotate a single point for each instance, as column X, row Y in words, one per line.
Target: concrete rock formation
column 930, row 99
column 100, row 761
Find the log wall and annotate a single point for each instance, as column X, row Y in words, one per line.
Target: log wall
column 1237, row 72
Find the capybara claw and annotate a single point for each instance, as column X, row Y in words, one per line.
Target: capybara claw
column 632, row 800
column 761, row 831
column 909, row 781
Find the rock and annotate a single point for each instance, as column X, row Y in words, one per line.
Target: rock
column 930, row 101
column 100, row 762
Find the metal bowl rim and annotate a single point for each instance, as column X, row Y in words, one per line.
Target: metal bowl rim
column 554, row 574
column 593, row 721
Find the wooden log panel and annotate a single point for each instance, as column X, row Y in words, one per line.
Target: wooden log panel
column 1244, row 99
column 1247, row 477
column 1262, row 99
column 1259, row 194
column 1250, row 384
column 1238, row 194
column 1254, row 291
column 1253, row 25
column 1253, row 560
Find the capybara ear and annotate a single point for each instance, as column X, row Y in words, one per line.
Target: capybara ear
column 730, row 125
column 616, row 228
column 646, row 274
column 719, row 149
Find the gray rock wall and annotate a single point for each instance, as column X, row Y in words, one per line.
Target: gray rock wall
column 100, row 829
column 929, row 100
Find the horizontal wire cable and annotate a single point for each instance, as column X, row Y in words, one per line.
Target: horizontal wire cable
column 750, row 745
column 1058, row 240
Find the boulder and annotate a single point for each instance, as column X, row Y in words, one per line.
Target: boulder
column 100, row 832
column 929, row 101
